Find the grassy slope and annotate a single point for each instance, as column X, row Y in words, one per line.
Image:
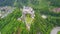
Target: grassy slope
column 10, row 25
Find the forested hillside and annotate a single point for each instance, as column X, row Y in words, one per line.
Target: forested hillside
column 10, row 24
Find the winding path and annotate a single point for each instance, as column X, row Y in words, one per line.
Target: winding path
column 55, row 30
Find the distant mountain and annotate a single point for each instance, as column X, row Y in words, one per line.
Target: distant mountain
column 6, row 2
column 19, row 3
column 33, row 3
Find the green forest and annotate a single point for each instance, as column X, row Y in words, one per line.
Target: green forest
column 10, row 24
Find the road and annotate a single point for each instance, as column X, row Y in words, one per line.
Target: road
column 55, row 30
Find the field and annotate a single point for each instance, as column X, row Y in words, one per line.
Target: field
column 10, row 24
